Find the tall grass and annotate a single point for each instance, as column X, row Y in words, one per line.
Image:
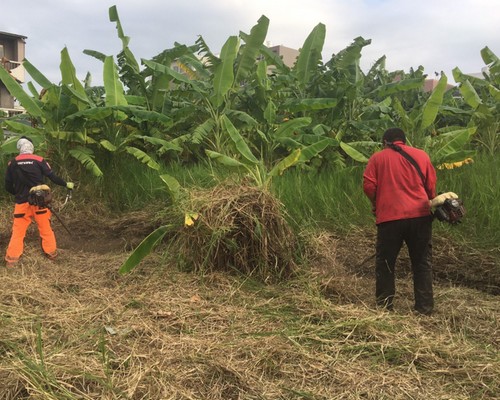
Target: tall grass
column 129, row 185
column 329, row 199
column 478, row 186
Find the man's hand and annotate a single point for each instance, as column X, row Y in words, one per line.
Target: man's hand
column 438, row 200
column 70, row 185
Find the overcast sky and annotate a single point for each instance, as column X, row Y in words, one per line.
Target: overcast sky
column 437, row 34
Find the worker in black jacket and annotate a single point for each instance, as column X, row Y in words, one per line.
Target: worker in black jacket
column 24, row 172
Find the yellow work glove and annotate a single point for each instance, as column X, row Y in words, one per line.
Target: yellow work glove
column 70, row 185
column 440, row 199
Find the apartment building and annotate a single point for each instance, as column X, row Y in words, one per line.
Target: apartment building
column 12, row 53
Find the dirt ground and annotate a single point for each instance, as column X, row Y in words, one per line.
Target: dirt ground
column 76, row 328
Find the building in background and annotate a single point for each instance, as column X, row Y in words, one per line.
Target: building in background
column 12, row 53
column 287, row 54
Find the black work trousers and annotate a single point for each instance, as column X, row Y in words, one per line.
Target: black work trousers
column 417, row 234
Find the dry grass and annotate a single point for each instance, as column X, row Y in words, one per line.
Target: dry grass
column 241, row 229
column 76, row 329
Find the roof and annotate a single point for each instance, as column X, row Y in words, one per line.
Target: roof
column 14, row 35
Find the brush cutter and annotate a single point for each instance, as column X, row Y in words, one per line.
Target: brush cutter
column 68, row 198
column 60, row 220
column 41, row 196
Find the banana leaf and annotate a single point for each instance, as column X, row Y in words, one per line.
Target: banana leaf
column 9, row 146
column 250, row 50
column 288, row 128
column 96, row 54
column 114, row 89
column 106, row 144
column 31, row 105
column 202, row 131
column 310, row 54
column 21, row 128
column 68, row 90
column 144, row 249
column 86, row 157
column 300, row 155
column 178, row 77
column 242, row 116
column 164, row 144
column 406, row 122
column 224, row 74
column 273, row 59
column 33, row 90
column 113, row 17
column 37, row 76
column 470, row 95
column 261, row 75
column 289, row 161
column 238, row 140
column 353, row 153
column 143, row 157
column 494, row 63
column 94, row 114
column 307, row 153
column 459, row 76
column 72, row 137
column 224, row 160
column 270, row 112
column 431, row 106
column 398, row 87
column 69, row 78
column 494, row 92
column 444, row 146
column 457, row 156
column 299, row 105
column 173, row 185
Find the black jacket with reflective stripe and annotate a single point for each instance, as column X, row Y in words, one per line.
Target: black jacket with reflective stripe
column 26, row 171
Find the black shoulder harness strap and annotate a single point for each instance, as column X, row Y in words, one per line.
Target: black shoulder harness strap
column 409, row 158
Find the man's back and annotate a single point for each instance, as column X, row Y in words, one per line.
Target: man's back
column 396, row 184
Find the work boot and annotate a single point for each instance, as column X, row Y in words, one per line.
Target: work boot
column 423, row 311
column 51, row 256
column 11, row 262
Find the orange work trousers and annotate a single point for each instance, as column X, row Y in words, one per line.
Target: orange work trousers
column 23, row 215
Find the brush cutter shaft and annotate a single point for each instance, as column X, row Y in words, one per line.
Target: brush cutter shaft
column 60, row 220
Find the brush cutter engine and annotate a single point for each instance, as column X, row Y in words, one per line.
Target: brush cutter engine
column 451, row 211
column 40, row 196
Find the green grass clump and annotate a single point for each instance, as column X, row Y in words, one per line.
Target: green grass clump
column 328, row 199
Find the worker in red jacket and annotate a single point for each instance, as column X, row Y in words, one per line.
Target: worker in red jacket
column 25, row 172
column 400, row 181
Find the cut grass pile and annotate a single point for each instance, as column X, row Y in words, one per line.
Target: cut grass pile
column 235, row 228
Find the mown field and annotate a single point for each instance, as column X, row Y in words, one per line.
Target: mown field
column 77, row 329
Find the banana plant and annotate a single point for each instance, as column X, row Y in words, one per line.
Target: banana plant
column 48, row 110
column 483, row 98
column 245, row 160
column 418, row 122
column 110, row 124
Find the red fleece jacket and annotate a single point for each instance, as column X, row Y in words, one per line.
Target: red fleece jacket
column 394, row 186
